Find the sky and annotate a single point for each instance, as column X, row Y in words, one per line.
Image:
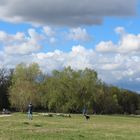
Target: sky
column 103, row 35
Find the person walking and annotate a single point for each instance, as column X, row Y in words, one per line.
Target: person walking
column 30, row 111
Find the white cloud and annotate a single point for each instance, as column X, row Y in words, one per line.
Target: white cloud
column 19, row 43
column 3, row 35
column 110, row 60
column 120, row 30
column 109, row 66
column 78, row 58
column 33, row 35
column 114, row 68
column 6, row 38
column 127, row 43
column 78, row 34
column 106, row 47
column 50, row 34
column 49, row 31
column 22, row 49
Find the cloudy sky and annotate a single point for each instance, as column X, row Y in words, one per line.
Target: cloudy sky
column 103, row 35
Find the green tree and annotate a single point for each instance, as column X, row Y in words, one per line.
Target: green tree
column 24, row 87
column 70, row 91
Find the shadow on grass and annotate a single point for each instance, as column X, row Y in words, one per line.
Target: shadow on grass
column 81, row 136
column 38, row 125
column 27, row 123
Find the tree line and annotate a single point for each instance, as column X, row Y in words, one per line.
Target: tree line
column 67, row 90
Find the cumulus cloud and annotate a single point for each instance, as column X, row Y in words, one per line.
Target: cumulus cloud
column 120, row 61
column 78, row 34
column 6, row 38
column 64, row 12
column 112, row 68
column 108, row 46
column 50, row 33
column 19, row 43
column 127, row 43
column 109, row 59
column 78, row 58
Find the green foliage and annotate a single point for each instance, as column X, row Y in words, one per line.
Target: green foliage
column 69, row 90
column 24, row 87
column 64, row 91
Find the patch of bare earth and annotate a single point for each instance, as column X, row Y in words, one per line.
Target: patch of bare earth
column 5, row 115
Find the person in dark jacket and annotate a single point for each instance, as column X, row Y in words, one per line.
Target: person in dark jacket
column 30, row 111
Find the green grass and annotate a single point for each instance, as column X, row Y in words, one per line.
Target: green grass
column 99, row 127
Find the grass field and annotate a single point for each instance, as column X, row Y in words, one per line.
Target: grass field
column 99, row 127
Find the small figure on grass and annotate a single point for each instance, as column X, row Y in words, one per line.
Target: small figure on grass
column 85, row 113
column 5, row 111
column 30, row 111
column 87, row 116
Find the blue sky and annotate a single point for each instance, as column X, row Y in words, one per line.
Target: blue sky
column 99, row 34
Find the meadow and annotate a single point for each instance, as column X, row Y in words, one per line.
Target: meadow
column 99, row 127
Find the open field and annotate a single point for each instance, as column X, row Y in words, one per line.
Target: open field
column 18, row 127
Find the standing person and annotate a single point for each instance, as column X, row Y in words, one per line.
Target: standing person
column 30, row 111
column 84, row 110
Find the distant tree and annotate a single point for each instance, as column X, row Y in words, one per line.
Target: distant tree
column 129, row 101
column 5, row 82
column 70, row 91
column 24, row 88
column 67, row 90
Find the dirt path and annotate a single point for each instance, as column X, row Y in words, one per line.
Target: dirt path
column 5, row 115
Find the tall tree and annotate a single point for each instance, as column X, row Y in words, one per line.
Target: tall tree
column 24, row 87
column 5, row 82
column 70, row 91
